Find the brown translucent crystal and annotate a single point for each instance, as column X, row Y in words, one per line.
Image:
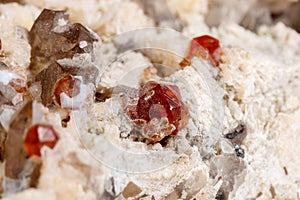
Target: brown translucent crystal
column 57, row 50
column 157, row 110
column 48, row 77
column 52, row 38
column 68, row 85
column 18, row 168
column 14, row 152
column 3, row 136
column 38, row 136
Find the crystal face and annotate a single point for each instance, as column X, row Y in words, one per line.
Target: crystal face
column 205, row 47
column 68, row 85
column 59, row 48
column 51, row 37
column 38, row 136
column 157, row 111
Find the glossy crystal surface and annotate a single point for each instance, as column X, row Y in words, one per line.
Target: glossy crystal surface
column 157, row 110
column 205, row 47
column 38, row 136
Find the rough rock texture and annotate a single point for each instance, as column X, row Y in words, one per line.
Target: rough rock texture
column 240, row 142
column 103, row 17
column 11, row 12
column 13, row 37
column 253, row 14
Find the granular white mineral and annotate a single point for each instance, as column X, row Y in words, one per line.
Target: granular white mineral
column 132, row 122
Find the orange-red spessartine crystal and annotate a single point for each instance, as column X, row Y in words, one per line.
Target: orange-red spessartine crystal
column 153, row 104
column 38, row 136
column 18, row 84
column 68, row 85
column 205, row 47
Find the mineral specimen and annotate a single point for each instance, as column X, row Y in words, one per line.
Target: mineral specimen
column 239, row 151
column 205, row 47
column 15, row 156
column 157, row 111
column 18, row 84
column 59, row 52
column 228, row 168
column 237, row 135
column 38, row 136
column 11, row 85
column 48, row 78
column 68, row 85
column 51, row 38
column 160, row 13
column 3, row 136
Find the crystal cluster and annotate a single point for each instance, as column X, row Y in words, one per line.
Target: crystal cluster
column 52, row 38
column 61, row 52
column 62, row 64
column 157, row 111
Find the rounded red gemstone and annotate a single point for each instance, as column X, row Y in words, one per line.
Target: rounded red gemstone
column 38, row 136
column 205, row 47
column 68, row 85
column 154, row 103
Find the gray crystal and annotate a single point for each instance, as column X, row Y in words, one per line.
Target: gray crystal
column 229, row 168
column 160, row 13
column 15, row 154
column 8, row 94
column 81, row 65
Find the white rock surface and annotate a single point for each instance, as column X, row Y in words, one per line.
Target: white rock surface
column 257, row 83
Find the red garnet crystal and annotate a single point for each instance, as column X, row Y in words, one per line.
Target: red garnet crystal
column 18, row 84
column 157, row 111
column 68, row 85
column 38, row 136
column 205, row 47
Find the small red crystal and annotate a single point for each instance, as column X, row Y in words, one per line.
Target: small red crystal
column 18, row 84
column 205, row 47
column 68, row 85
column 38, row 136
column 155, row 102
